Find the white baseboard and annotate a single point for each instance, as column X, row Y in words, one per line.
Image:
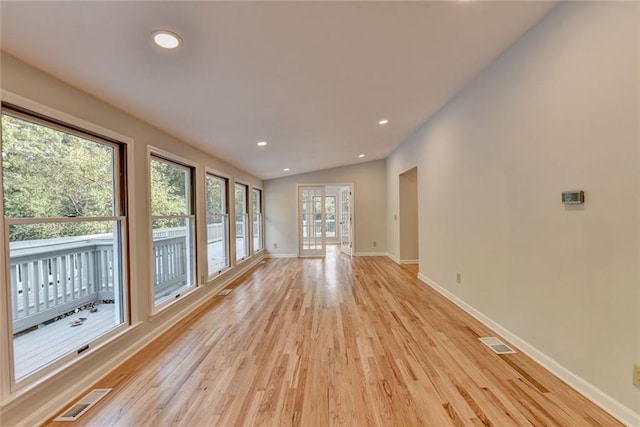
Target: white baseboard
column 65, row 397
column 370, row 254
column 394, row 258
column 597, row 396
column 270, row 255
column 402, row 261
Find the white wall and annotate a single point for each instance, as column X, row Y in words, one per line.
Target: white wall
column 369, row 189
column 26, row 81
column 558, row 111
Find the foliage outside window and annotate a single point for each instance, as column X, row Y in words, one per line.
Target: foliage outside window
column 173, row 228
column 62, row 192
column 217, row 225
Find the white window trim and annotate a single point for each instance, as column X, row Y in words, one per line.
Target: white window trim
column 254, row 251
column 205, row 249
column 153, row 151
column 8, row 385
column 248, row 213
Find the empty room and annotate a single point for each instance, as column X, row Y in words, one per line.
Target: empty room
column 314, row 213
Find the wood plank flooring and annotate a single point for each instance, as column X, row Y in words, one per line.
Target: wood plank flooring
column 339, row 341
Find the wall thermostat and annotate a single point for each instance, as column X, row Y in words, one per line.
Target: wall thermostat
column 572, row 197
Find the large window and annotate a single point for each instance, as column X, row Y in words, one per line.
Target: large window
column 217, row 224
column 257, row 220
column 173, row 229
column 242, row 222
column 64, row 211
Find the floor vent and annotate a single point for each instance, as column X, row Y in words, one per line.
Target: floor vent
column 496, row 345
column 225, row 292
column 83, row 405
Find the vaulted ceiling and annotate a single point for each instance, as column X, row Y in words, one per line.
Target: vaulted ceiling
column 311, row 78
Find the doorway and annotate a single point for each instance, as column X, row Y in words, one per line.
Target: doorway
column 311, row 221
column 325, row 216
column 409, row 241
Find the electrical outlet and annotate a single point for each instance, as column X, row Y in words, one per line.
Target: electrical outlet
column 636, row 375
column 459, row 278
column 275, row 246
column 375, row 244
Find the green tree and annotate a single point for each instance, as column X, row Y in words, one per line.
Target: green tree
column 50, row 173
column 169, row 193
column 215, row 196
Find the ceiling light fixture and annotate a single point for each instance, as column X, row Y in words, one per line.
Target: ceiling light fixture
column 361, row 155
column 262, row 143
column 286, row 169
column 383, row 122
column 166, row 39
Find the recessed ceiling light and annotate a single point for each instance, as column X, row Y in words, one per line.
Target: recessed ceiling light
column 383, row 122
column 361, row 155
column 166, row 39
column 286, row 169
column 262, row 143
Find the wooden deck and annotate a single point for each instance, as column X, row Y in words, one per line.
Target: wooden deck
column 335, row 341
column 42, row 346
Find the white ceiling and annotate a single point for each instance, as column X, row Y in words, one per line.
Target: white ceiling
column 311, row 78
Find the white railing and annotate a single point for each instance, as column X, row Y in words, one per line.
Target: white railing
column 317, row 228
column 58, row 276
column 51, row 277
column 170, row 264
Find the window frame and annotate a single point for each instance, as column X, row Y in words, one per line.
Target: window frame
column 258, row 214
column 246, row 214
column 227, row 183
column 192, row 167
column 39, row 114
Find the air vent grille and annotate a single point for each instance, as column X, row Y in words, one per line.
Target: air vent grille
column 496, row 345
column 225, row 292
column 83, row 405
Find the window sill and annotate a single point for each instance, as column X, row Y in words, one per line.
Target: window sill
column 216, row 275
column 172, row 299
column 32, row 382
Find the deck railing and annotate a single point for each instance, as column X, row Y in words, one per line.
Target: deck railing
column 57, row 276
column 170, row 263
column 54, row 276
column 317, row 228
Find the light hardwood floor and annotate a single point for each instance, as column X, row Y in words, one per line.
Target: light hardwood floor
column 313, row 342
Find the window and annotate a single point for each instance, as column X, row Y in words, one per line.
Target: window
column 64, row 209
column 242, row 222
column 173, row 225
column 257, row 220
column 217, row 225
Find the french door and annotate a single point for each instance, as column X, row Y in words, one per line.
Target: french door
column 311, row 221
column 346, row 221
